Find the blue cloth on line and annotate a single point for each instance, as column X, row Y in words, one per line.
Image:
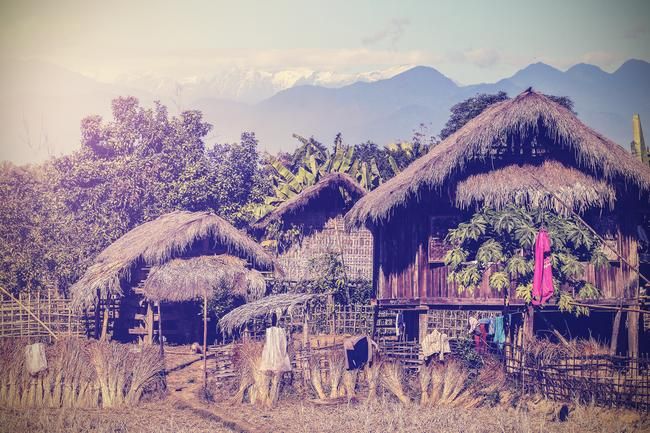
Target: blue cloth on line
column 499, row 331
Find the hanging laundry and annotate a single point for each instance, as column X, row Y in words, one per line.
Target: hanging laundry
column 358, row 352
column 499, row 331
column 491, row 325
column 480, row 338
column 274, row 354
column 543, row 276
column 399, row 325
column 472, row 325
column 435, row 342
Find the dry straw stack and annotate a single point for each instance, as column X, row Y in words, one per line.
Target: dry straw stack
column 79, row 374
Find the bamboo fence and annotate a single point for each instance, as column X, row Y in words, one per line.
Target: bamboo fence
column 614, row 381
column 55, row 312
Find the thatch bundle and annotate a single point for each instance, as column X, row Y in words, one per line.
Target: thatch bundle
column 530, row 119
column 518, row 184
column 158, row 241
column 188, row 278
column 80, row 373
column 338, row 183
column 281, row 304
column 392, row 378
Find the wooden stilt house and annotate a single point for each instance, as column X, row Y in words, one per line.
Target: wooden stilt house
column 529, row 151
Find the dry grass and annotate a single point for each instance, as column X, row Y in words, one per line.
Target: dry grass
column 268, row 305
column 391, row 377
column 388, row 415
column 185, row 279
column 336, row 367
column 316, row 378
column 518, row 185
column 80, row 373
column 155, row 417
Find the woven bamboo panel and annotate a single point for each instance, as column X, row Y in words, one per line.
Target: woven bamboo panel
column 54, row 311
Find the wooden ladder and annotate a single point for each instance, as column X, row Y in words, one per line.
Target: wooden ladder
column 146, row 314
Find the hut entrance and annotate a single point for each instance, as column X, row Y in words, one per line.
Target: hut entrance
column 411, row 327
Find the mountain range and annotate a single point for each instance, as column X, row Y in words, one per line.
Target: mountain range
column 43, row 104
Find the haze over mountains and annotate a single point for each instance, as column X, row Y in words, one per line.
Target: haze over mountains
column 43, row 104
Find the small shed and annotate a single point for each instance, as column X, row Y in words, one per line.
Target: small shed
column 498, row 158
column 176, row 259
column 314, row 217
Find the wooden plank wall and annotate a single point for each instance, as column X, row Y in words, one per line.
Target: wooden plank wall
column 403, row 273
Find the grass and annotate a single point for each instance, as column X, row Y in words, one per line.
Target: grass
column 388, row 415
column 159, row 417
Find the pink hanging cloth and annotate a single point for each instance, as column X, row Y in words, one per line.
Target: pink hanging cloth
column 543, row 276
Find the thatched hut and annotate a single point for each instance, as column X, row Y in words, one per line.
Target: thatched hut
column 497, row 158
column 314, row 218
column 179, row 258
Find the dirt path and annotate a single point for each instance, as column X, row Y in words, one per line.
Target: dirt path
column 184, row 383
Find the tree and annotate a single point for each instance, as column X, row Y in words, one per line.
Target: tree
column 238, row 182
column 468, row 109
column 506, row 239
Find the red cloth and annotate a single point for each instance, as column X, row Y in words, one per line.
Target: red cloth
column 480, row 339
column 543, row 276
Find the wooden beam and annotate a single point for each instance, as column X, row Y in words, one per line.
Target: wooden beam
column 148, row 324
column 633, row 333
column 616, row 326
column 104, row 335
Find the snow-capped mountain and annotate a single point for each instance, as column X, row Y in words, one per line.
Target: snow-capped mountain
column 245, row 85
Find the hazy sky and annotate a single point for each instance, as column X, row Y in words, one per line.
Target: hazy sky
column 469, row 41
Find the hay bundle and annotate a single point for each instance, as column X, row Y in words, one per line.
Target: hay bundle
column 336, row 367
column 124, row 374
column 424, row 376
column 79, row 374
column 350, row 383
column 448, row 383
column 248, row 356
column 372, row 375
column 392, row 378
column 315, row 374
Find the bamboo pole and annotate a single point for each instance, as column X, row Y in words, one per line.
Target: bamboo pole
column 160, row 332
column 40, row 322
column 205, row 339
column 608, row 307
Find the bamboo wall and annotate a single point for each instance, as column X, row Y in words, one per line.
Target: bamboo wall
column 355, row 248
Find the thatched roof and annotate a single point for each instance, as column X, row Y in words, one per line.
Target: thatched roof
column 274, row 304
column 185, row 279
column 158, row 241
column 330, row 182
column 518, row 184
column 529, row 117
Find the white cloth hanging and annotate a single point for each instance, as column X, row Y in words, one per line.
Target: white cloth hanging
column 35, row 359
column 274, row 354
column 436, row 342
